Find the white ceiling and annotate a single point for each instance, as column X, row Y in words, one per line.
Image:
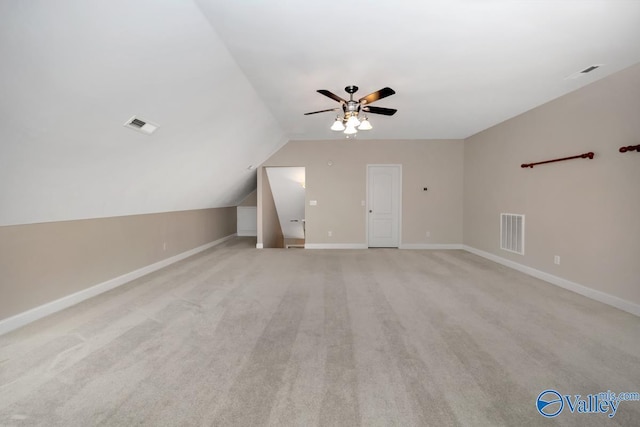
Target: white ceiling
column 458, row 66
column 228, row 83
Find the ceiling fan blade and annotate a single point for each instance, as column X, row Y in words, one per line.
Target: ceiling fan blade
column 332, row 96
column 373, row 97
column 322, row 111
column 380, row 110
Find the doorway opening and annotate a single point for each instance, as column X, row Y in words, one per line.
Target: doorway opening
column 287, row 186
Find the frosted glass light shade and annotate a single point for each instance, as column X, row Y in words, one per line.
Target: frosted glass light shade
column 365, row 124
column 337, row 125
column 353, row 121
column 350, row 130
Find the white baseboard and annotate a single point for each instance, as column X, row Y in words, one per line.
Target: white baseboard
column 437, row 246
column 364, row 246
column 600, row 296
column 335, row 246
column 259, row 246
column 26, row 317
column 247, row 233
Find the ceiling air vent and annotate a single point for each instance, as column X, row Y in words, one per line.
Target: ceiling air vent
column 581, row 73
column 141, row 125
column 589, row 69
column 137, row 123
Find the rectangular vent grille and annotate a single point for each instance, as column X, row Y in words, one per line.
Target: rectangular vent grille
column 512, row 233
column 141, row 125
column 137, row 123
column 583, row 72
column 589, row 69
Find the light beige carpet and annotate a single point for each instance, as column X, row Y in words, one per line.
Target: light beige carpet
column 243, row 337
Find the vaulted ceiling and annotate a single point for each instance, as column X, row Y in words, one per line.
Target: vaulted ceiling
column 228, row 83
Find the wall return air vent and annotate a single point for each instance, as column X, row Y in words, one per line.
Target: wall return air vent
column 512, row 233
column 141, row 125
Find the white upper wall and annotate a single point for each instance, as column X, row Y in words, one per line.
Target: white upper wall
column 73, row 72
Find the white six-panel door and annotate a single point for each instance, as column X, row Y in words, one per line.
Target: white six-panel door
column 383, row 205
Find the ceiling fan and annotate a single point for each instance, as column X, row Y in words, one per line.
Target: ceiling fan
column 351, row 109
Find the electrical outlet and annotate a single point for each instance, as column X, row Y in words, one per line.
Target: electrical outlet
column 556, row 259
column 164, row 246
column 330, row 233
column 427, row 234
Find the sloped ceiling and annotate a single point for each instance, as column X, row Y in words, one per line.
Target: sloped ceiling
column 228, row 83
column 73, row 72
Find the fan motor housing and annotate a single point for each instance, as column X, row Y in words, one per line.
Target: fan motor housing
column 352, row 106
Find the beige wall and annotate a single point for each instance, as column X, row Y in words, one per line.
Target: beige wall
column 269, row 230
column 585, row 211
column 340, row 188
column 43, row 262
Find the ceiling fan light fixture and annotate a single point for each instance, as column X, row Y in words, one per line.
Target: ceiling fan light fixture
column 348, row 121
column 365, row 124
column 337, row 125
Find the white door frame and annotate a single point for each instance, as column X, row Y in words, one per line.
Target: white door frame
column 366, row 211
